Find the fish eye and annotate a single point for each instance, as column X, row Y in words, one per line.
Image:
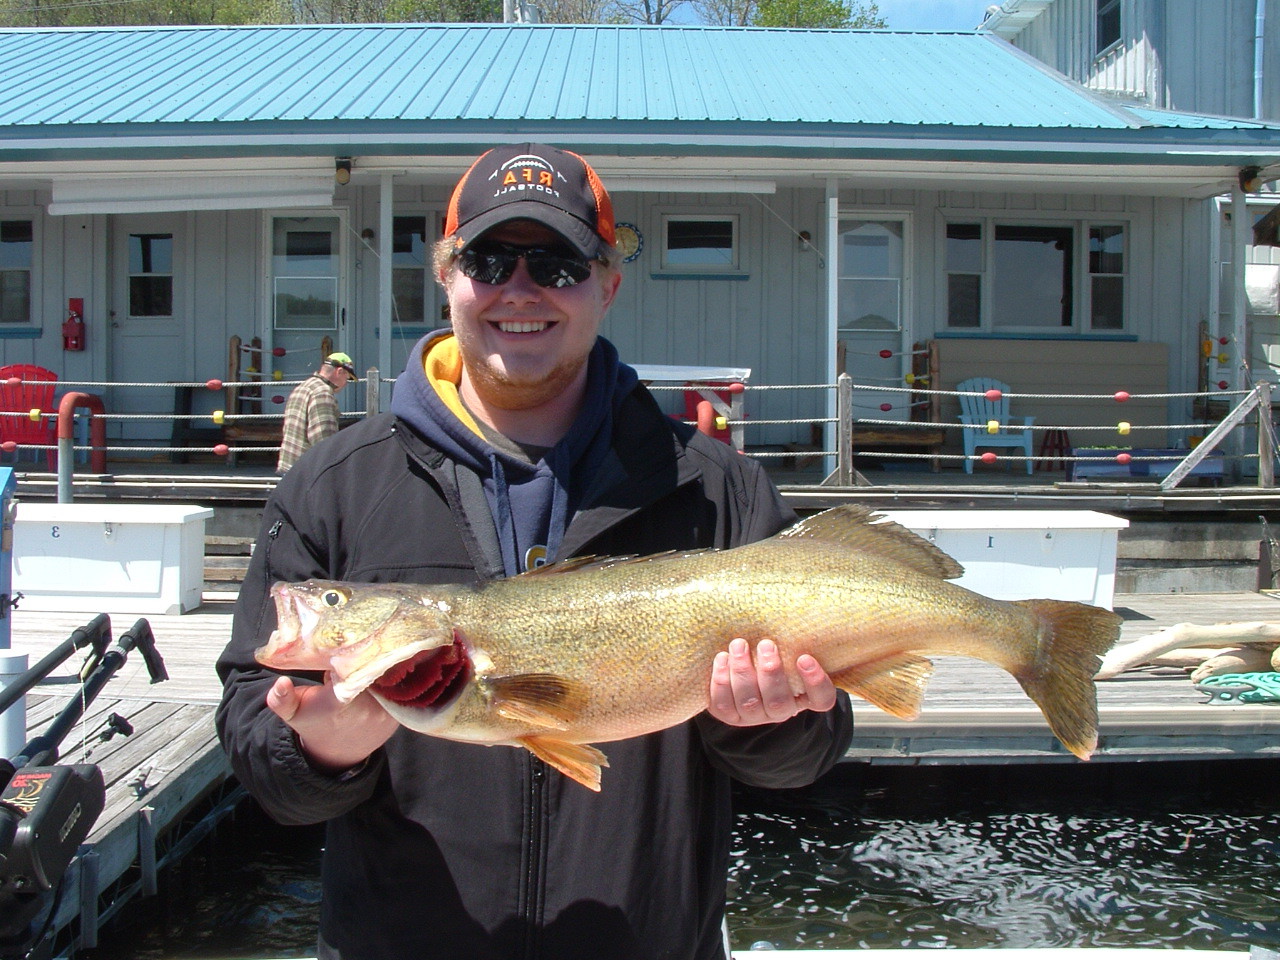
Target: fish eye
column 333, row 598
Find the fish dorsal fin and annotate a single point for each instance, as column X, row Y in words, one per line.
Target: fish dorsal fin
column 577, row 761
column 564, row 566
column 856, row 527
column 544, row 700
column 590, row 562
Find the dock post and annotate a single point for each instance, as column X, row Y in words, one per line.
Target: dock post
column 1266, row 439
column 13, row 722
column 88, row 897
column 844, row 430
column 147, row 851
column 372, row 391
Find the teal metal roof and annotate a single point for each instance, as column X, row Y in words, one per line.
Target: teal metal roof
column 287, row 87
column 487, row 72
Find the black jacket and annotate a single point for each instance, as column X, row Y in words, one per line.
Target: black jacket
column 441, row 849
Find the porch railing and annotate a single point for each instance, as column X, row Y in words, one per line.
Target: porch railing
column 1256, row 401
column 82, row 408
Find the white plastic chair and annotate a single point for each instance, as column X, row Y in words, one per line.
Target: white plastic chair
column 977, row 414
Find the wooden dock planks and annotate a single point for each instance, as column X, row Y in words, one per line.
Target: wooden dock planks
column 167, row 766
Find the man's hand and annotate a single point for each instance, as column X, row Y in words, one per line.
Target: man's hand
column 745, row 693
column 335, row 736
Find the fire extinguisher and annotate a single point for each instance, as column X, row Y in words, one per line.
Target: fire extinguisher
column 73, row 326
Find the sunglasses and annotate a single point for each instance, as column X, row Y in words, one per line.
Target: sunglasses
column 493, row 262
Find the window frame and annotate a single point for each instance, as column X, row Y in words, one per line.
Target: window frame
column 1103, row 8
column 432, row 308
column 1089, row 275
column 733, row 269
column 902, row 280
column 1082, row 282
column 30, row 326
column 170, row 274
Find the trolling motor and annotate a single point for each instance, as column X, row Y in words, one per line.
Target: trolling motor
column 46, row 808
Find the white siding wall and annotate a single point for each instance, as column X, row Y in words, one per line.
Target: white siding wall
column 1187, row 55
column 772, row 321
column 69, row 262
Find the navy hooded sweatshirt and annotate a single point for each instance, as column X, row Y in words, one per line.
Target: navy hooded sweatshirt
column 530, row 502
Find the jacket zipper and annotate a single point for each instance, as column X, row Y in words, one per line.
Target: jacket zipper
column 535, row 880
column 272, row 533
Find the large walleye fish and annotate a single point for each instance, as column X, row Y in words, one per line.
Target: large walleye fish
column 587, row 651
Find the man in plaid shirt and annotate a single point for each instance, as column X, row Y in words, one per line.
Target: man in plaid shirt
column 312, row 411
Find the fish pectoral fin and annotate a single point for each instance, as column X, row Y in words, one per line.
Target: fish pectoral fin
column 895, row 684
column 539, row 699
column 577, row 761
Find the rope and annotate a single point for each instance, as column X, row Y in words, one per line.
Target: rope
column 915, row 392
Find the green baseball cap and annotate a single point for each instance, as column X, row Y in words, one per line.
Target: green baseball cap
column 343, row 361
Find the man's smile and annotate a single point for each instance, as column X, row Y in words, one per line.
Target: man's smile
column 523, row 326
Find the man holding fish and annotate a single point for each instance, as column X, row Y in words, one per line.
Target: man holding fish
column 515, row 438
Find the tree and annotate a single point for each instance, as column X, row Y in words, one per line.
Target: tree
column 647, row 11
column 88, row 13
column 725, row 13
column 443, row 11
column 579, row 11
column 817, row 14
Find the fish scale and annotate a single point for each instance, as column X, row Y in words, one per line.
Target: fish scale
column 593, row 650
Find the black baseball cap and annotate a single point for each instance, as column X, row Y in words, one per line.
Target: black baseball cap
column 532, row 181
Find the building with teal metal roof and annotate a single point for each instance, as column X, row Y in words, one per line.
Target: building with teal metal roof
column 854, row 192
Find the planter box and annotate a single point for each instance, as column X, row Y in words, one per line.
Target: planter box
column 1026, row 554
column 1101, row 462
column 109, row 558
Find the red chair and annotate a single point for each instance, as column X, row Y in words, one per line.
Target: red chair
column 692, row 397
column 25, row 387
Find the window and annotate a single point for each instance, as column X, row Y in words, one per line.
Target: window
column 306, row 273
column 15, row 271
column 151, row 275
column 694, row 243
column 964, row 274
column 1106, row 278
column 871, row 271
column 1032, row 269
column 410, row 271
column 1106, row 25
column 1005, row 277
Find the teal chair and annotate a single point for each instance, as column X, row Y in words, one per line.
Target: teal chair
column 977, row 412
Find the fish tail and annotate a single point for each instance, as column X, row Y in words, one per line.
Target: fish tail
column 1059, row 678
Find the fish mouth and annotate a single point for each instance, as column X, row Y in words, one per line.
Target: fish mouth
column 428, row 680
column 288, row 645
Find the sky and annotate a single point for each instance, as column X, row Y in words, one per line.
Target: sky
column 933, row 14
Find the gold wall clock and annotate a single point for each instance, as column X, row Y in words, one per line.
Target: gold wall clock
column 629, row 241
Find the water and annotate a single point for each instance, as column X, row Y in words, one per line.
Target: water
column 1169, row 855
column 1162, row 855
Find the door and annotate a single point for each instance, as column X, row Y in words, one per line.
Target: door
column 871, row 308
column 151, row 324
column 307, row 287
